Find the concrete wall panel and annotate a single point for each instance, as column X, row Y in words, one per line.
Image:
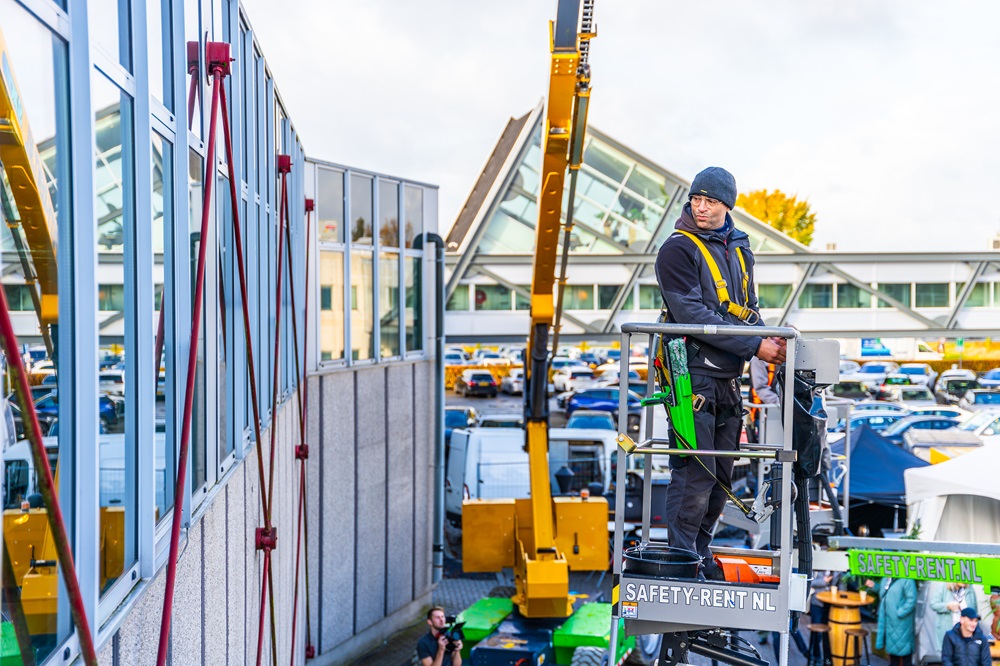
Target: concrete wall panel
column 371, row 509
column 188, row 616
column 336, row 532
column 314, row 491
column 214, row 581
column 236, row 565
column 399, row 472
column 423, row 475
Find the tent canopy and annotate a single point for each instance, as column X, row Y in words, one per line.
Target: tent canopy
column 877, row 467
column 973, row 473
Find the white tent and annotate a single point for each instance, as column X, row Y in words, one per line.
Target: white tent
column 957, row 500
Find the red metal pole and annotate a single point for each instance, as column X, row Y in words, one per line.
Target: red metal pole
column 263, row 593
column 277, row 343
column 298, row 555
column 310, row 650
column 57, row 525
column 182, row 456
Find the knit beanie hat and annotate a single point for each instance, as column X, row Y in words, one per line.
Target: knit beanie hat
column 715, row 183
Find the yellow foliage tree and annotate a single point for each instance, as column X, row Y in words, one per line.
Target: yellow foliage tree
column 781, row 211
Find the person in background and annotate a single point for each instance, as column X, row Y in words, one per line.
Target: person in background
column 965, row 644
column 948, row 600
column 434, row 648
column 898, row 601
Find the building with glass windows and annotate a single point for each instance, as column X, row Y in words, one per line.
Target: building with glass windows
column 105, row 180
column 626, row 206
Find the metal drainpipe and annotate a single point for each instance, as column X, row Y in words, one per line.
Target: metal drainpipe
column 439, row 303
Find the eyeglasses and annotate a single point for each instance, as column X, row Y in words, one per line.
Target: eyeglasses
column 697, row 200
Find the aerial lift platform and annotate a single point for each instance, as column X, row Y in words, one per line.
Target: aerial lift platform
column 761, row 589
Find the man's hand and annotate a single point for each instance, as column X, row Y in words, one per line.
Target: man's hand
column 442, row 643
column 772, row 350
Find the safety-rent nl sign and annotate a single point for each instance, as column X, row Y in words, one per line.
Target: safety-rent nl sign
column 918, row 566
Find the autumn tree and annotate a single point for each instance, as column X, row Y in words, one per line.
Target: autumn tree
column 783, row 212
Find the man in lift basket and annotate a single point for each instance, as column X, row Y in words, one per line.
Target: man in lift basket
column 705, row 273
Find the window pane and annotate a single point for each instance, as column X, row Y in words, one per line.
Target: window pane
column 108, row 22
column 331, row 305
column 34, row 205
column 361, row 209
column 459, row 299
column 117, row 449
column 362, row 307
column 225, row 312
column 492, row 297
column 414, row 212
column 578, row 297
column 607, row 161
column 388, row 303
column 330, row 205
column 414, row 304
column 898, row 291
column 163, row 219
column 932, row 295
column 849, row 296
column 198, row 422
column 160, row 83
column 523, row 301
column 650, row 297
column 388, row 211
column 979, row 297
column 773, row 295
column 816, row 296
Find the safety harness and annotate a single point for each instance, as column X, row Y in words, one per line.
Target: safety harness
column 726, row 304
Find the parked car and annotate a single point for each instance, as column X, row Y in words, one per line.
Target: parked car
column 112, row 381
column 891, row 380
column 454, row 358
column 605, row 399
column 954, row 373
column 513, row 383
column 950, row 390
column 984, row 424
column 560, row 362
column 878, row 405
column 573, row 378
column 873, row 373
column 919, row 373
column 476, row 382
column 848, row 368
column 457, row 417
column 587, row 358
column 850, row 389
column 591, row 419
column 876, row 420
column 911, row 396
column 990, row 379
column 498, row 420
column 942, row 410
column 895, row 432
column 977, row 399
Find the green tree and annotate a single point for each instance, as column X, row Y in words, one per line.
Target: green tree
column 781, row 211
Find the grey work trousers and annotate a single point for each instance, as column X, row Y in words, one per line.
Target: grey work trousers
column 694, row 499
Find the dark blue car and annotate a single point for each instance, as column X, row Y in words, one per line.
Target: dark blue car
column 602, row 399
column 48, row 407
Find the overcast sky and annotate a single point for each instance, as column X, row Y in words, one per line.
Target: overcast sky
column 883, row 114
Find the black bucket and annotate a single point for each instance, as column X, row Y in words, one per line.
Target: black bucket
column 661, row 561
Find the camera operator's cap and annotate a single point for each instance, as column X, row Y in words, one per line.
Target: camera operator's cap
column 970, row 613
column 715, row 183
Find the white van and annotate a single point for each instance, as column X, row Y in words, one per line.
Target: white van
column 491, row 463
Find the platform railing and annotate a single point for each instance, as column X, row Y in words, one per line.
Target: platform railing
column 748, row 613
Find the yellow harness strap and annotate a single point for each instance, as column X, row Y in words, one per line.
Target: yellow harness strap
column 741, row 312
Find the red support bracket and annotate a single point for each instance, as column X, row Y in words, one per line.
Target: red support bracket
column 310, row 652
column 302, row 451
column 217, row 55
column 192, row 57
column 284, row 163
column 267, row 538
column 310, row 205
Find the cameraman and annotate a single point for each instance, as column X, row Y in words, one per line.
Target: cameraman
column 436, row 646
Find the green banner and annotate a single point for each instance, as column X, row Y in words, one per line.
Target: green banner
column 918, row 566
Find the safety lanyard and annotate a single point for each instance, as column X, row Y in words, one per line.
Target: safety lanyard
column 726, row 304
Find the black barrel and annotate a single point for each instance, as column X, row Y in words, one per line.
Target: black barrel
column 661, row 561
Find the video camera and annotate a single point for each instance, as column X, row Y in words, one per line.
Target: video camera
column 453, row 633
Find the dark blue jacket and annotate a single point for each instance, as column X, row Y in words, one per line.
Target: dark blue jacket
column 690, row 296
column 960, row 651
